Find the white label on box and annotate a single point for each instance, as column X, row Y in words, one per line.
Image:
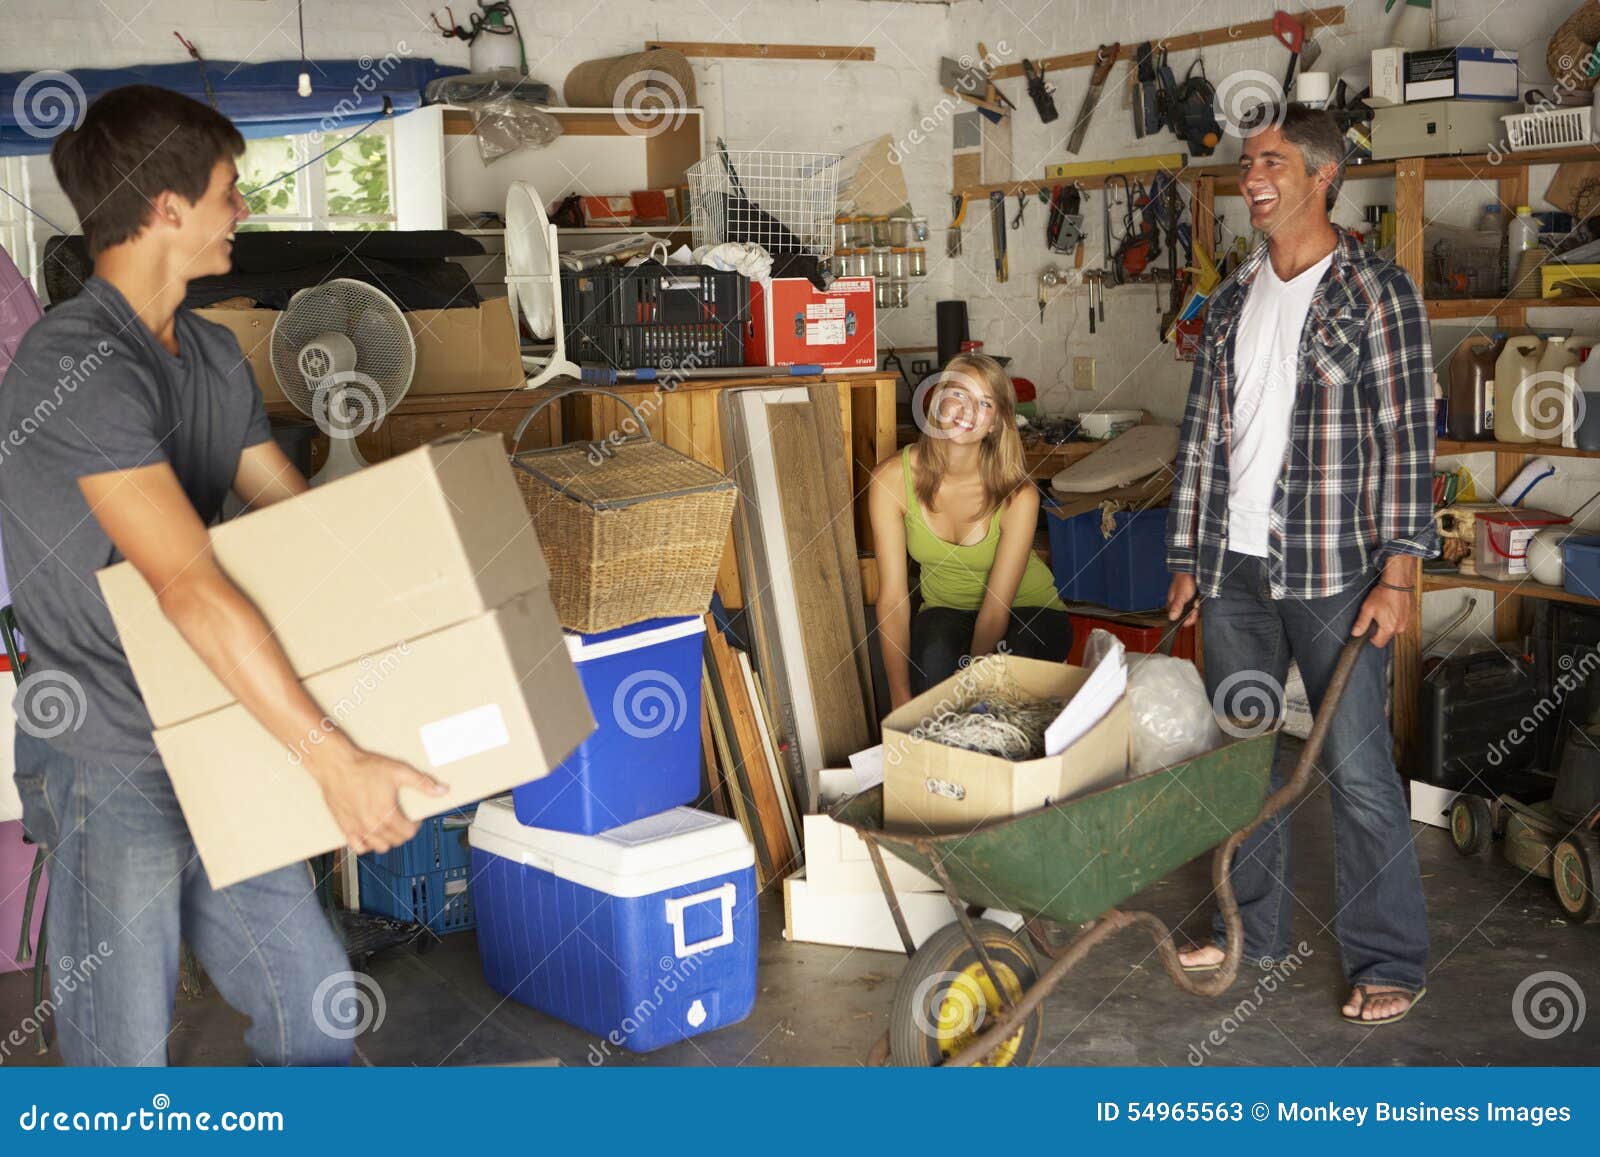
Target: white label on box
column 825, row 332
column 1517, row 539
column 460, row 736
column 830, row 307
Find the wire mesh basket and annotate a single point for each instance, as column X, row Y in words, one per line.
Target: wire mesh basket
column 783, row 202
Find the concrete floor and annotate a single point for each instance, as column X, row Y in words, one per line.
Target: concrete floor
column 1491, row 928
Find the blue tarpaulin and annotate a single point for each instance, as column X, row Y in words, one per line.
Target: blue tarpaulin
column 36, row 107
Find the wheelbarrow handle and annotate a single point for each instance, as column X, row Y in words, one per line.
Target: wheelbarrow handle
column 1170, row 637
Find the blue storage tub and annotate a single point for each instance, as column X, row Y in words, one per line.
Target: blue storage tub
column 424, row 880
column 643, row 684
column 643, row 935
column 1127, row 572
column 1580, row 565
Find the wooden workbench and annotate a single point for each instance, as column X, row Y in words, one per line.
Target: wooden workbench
column 686, row 418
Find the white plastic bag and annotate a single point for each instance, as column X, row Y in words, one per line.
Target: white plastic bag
column 1170, row 712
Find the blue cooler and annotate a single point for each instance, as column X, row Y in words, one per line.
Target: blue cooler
column 643, row 684
column 643, row 935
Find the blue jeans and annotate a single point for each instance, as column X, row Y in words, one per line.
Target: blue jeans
column 125, row 883
column 1381, row 921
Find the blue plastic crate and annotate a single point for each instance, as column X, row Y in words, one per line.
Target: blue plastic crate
column 424, row 880
column 1580, row 565
column 1127, row 572
column 643, row 686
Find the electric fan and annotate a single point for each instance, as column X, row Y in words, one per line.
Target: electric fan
column 343, row 354
column 533, row 281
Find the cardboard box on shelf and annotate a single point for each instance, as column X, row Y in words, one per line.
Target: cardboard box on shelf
column 607, row 210
column 483, row 706
column 1461, row 73
column 652, row 206
column 420, row 542
column 458, row 350
column 936, row 788
column 798, row 324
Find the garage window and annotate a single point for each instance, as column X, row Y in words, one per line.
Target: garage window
column 350, row 188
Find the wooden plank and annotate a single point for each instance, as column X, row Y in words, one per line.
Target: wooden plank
column 716, row 49
column 1183, row 42
column 1409, row 187
column 1406, row 650
column 728, row 751
column 1203, row 214
column 1521, row 588
column 782, row 785
column 842, row 714
column 838, row 495
column 716, row 792
column 668, row 155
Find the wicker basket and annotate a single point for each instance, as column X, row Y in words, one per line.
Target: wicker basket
column 1568, row 54
column 631, row 531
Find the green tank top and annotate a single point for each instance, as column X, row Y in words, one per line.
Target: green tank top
column 956, row 576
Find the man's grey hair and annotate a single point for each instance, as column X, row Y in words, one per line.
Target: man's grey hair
column 1316, row 134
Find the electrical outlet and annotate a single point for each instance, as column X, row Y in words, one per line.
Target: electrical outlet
column 1083, row 373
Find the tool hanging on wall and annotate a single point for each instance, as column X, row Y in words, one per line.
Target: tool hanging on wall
column 1105, row 57
column 1064, row 232
column 1290, row 33
column 1049, row 278
column 1109, row 255
column 1041, row 92
column 1191, row 110
column 1092, row 281
column 1022, row 207
column 997, row 227
column 1147, row 102
column 958, row 214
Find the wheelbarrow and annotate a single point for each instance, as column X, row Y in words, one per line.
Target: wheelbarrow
column 972, row 994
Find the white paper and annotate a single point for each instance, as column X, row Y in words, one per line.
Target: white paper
column 465, row 734
column 1099, row 694
column 868, row 766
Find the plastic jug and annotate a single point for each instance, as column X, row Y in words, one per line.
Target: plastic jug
column 1588, row 433
column 1517, row 361
column 1522, row 234
column 1470, row 409
column 1550, row 402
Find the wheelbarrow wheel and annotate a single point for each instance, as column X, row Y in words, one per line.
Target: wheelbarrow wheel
column 1575, row 872
column 945, row 999
column 1471, row 825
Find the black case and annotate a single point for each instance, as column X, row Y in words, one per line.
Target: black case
column 1481, row 724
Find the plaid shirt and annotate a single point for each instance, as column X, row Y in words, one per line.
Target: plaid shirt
column 1357, row 482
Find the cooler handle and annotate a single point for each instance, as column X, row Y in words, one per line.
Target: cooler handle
column 726, row 894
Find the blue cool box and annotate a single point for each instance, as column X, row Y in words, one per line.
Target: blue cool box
column 643, row 684
column 1127, row 572
column 643, row 935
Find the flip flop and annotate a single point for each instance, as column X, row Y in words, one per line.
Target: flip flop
column 1192, row 947
column 1367, row 994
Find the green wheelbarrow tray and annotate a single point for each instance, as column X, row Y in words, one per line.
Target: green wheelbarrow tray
column 1072, row 861
column 1075, row 861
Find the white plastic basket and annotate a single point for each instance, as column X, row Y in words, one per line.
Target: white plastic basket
column 1550, row 128
column 781, row 201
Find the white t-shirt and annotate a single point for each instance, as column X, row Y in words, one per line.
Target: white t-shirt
column 1266, row 362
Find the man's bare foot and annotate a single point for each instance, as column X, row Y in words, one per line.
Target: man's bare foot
column 1201, row 957
column 1378, row 1003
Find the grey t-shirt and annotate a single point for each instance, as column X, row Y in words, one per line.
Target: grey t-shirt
column 91, row 390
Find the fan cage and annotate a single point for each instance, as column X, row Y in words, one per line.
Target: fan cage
column 792, row 195
column 385, row 349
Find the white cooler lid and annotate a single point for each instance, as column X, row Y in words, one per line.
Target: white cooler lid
column 581, row 648
column 679, row 846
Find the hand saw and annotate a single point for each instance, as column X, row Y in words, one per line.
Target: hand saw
column 1105, row 57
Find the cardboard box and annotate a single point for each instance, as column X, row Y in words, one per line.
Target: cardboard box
column 1461, row 73
column 863, row 919
column 838, row 862
column 483, row 706
column 1431, row 804
column 607, row 210
column 652, row 207
column 410, row 546
column 1388, row 77
column 458, row 350
column 931, row 787
column 795, row 324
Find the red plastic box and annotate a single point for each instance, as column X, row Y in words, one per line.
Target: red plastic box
column 795, row 325
column 1140, row 635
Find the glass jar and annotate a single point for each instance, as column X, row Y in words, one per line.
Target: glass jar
column 899, row 230
column 843, row 233
column 884, row 293
column 880, row 230
column 899, row 293
column 918, row 260
column 861, row 231
column 880, row 261
column 919, row 229
column 842, row 259
column 899, row 262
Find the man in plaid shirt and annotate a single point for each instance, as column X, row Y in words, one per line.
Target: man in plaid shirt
column 1302, row 505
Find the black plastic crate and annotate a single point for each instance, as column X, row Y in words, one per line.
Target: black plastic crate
column 657, row 316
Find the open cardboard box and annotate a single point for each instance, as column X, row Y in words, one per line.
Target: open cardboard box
column 458, row 350
column 932, row 787
column 411, row 599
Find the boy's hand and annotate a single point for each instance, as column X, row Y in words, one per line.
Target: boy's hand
column 362, row 791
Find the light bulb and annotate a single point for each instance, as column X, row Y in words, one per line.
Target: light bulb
column 305, row 84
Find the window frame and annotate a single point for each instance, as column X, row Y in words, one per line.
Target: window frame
column 311, row 189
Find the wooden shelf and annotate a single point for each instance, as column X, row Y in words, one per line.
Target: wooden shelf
column 1453, row 307
column 1525, row 588
column 1540, row 449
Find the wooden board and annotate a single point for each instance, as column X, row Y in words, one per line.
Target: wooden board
column 715, row 49
column 782, row 788
column 819, row 582
column 733, row 767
